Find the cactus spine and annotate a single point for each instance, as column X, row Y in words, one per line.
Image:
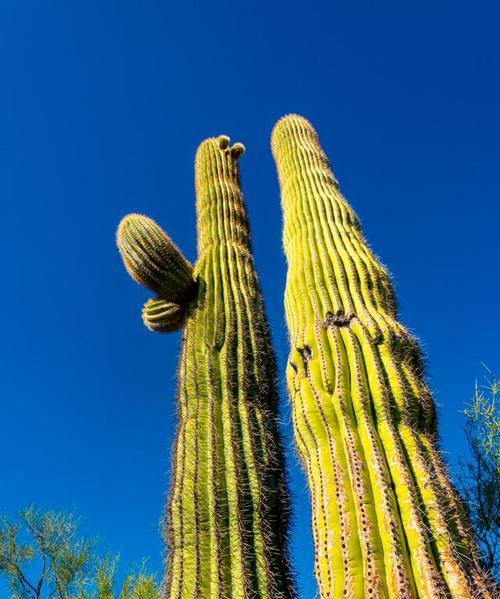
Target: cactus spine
column 227, row 511
column 386, row 520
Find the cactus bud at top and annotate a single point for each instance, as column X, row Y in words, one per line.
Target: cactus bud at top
column 237, row 150
column 152, row 259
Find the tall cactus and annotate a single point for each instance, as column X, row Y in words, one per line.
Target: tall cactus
column 227, row 511
column 386, row 520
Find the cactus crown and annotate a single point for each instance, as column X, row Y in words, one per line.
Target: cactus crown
column 221, row 215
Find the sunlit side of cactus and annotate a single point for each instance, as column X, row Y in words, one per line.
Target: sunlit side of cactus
column 386, row 520
column 227, row 511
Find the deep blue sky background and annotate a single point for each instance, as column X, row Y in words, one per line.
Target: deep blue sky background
column 102, row 106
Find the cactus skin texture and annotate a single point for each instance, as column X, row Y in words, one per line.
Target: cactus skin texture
column 386, row 520
column 227, row 513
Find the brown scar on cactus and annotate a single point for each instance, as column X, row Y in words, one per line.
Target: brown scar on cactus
column 305, row 353
column 339, row 319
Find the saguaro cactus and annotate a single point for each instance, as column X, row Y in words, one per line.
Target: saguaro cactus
column 386, row 520
column 227, row 511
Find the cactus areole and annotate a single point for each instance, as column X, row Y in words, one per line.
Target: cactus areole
column 227, row 510
column 386, row 520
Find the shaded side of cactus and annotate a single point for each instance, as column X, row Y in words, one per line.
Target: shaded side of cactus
column 227, row 511
column 386, row 520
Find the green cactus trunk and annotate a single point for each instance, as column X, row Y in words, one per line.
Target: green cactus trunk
column 227, row 511
column 386, row 520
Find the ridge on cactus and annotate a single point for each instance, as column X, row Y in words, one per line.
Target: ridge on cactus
column 227, row 513
column 386, row 520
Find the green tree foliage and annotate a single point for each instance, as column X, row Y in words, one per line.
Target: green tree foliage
column 42, row 556
column 479, row 470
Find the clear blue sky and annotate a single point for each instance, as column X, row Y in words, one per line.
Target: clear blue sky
column 103, row 104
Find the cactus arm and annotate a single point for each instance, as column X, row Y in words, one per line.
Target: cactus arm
column 152, row 259
column 162, row 316
column 363, row 418
column 227, row 512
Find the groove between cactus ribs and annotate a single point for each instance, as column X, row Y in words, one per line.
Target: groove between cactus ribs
column 386, row 520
